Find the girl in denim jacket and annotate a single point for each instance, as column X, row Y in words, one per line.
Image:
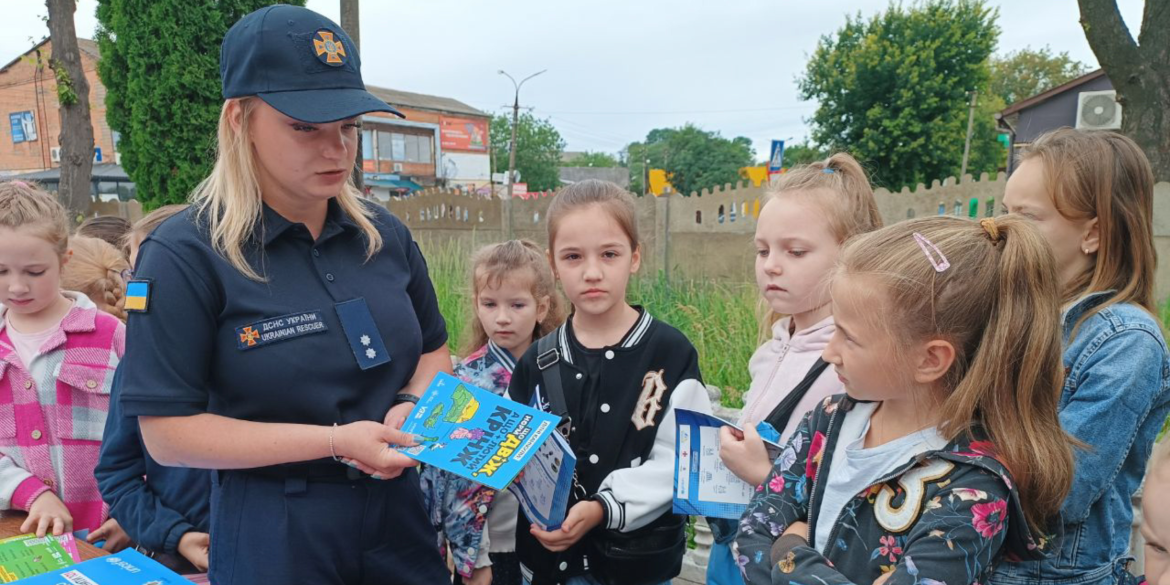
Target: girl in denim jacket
column 1091, row 194
column 945, row 456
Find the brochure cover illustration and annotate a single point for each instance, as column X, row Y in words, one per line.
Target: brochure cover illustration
column 544, row 488
column 703, row 485
column 26, row 555
column 128, row 567
column 473, row 433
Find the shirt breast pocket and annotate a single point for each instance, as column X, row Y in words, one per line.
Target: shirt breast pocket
column 83, row 399
column 7, row 408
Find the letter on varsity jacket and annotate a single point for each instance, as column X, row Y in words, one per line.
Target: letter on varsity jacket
column 636, row 496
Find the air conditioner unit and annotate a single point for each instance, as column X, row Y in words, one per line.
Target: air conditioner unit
column 1098, row 110
column 398, row 167
column 55, row 154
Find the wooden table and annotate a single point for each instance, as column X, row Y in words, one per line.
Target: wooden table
column 10, row 522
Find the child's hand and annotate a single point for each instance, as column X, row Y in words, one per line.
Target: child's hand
column 48, row 511
column 798, row 528
column 481, row 576
column 582, row 518
column 885, row 577
column 196, row 547
column 366, row 446
column 111, row 532
column 744, row 454
column 398, row 414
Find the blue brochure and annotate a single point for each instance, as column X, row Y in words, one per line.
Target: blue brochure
column 473, row 433
column 703, row 486
column 546, row 484
column 128, row 567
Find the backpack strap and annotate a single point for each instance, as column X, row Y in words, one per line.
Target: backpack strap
column 783, row 411
column 548, row 360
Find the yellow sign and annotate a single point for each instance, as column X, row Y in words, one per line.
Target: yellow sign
column 757, row 175
column 658, row 182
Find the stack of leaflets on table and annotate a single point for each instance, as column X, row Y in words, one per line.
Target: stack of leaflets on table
column 26, row 555
column 128, row 567
column 473, row 433
column 703, row 485
column 546, row 484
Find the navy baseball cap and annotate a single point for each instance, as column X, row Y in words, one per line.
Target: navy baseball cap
column 298, row 62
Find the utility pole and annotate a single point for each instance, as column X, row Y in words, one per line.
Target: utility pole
column 970, row 129
column 512, row 149
column 350, row 23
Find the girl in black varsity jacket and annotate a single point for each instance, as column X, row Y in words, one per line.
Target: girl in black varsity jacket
column 618, row 376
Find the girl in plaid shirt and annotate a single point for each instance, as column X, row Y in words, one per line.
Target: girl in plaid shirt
column 58, row 353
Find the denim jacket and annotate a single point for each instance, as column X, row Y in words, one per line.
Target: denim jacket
column 1115, row 399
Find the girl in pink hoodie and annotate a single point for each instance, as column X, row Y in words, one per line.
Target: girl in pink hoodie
column 809, row 214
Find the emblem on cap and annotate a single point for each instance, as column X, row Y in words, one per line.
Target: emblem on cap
column 329, row 50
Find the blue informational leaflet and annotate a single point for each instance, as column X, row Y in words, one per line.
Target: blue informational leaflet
column 473, row 433
column 546, row 484
column 703, row 485
column 125, row 568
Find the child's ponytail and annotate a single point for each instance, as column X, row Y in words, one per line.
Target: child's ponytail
column 95, row 269
column 991, row 290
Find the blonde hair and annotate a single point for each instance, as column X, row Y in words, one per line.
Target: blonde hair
column 1107, row 176
column 27, row 206
column 150, row 222
column 617, row 202
column 492, row 264
column 229, row 199
column 997, row 304
column 839, row 187
column 111, row 228
column 95, row 269
column 1160, row 456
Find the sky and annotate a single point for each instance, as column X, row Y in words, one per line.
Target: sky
column 616, row 69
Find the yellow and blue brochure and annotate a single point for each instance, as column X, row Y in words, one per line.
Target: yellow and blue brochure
column 473, row 433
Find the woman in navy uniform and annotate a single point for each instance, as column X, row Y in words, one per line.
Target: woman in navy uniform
column 282, row 326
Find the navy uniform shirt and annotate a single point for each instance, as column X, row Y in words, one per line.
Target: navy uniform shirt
column 212, row 340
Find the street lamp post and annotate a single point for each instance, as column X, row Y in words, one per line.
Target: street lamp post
column 512, row 148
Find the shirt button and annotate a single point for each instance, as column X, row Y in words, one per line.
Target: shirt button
column 36, row 435
column 91, row 384
column 594, row 458
column 609, row 354
column 579, row 376
column 27, row 384
column 483, row 509
column 316, row 253
column 47, row 482
column 564, row 565
column 329, row 276
column 605, row 407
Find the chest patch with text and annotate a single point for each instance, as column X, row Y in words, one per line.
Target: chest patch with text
column 280, row 328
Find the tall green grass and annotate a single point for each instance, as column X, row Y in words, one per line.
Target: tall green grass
column 719, row 318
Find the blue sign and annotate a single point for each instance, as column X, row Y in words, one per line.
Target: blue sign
column 17, row 127
column 776, row 161
column 97, row 154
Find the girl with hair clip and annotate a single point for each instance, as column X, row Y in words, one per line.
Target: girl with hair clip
column 96, row 270
column 615, row 375
column 809, row 214
column 1091, row 195
column 516, row 302
column 58, row 353
column 918, row 474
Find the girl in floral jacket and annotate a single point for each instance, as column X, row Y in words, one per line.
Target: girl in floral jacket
column 515, row 302
column 945, row 456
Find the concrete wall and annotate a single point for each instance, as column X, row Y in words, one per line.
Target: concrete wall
column 705, row 236
column 709, row 234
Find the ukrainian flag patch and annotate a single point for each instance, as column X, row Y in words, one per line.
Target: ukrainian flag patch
column 137, row 296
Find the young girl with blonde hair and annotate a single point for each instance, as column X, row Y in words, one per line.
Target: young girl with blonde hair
column 96, row 269
column 1091, row 195
column 810, row 213
column 515, row 302
column 945, row 455
column 58, row 353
